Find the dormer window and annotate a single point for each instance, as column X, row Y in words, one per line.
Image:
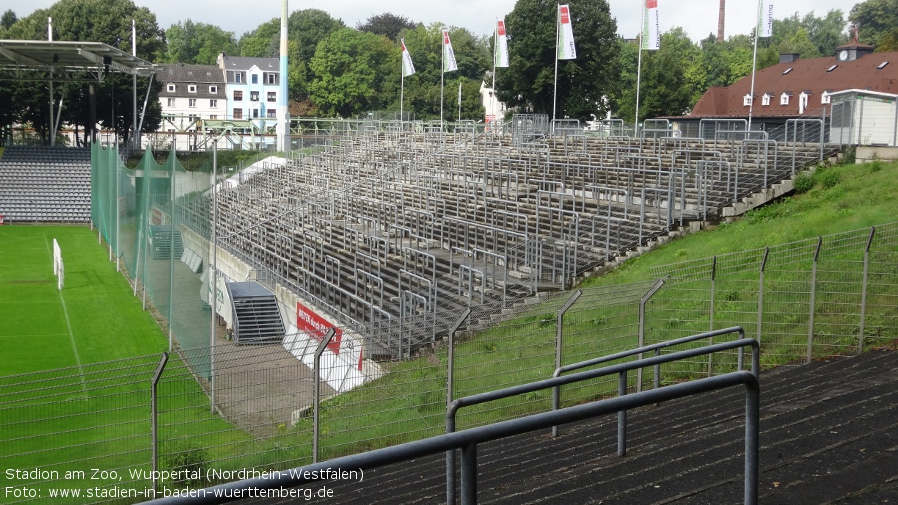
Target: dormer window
column 803, row 101
column 765, row 98
column 170, row 88
column 784, row 98
column 191, row 88
column 825, row 98
column 213, row 90
column 746, row 100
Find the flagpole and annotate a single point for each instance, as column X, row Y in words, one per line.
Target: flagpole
column 555, row 82
column 639, row 71
column 754, row 63
column 401, row 95
column 442, row 71
column 495, row 53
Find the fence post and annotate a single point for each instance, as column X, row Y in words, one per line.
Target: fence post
column 642, row 302
column 154, row 417
column 761, row 293
column 450, row 392
column 559, row 332
column 317, row 390
column 711, row 317
column 812, row 302
column 860, row 338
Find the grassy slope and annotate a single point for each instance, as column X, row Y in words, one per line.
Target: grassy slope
column 843, row 198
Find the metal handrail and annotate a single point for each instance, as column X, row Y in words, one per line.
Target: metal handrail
column 467, row 441
column 620, row 369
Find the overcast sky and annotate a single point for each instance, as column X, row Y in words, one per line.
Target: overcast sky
column 697, row 17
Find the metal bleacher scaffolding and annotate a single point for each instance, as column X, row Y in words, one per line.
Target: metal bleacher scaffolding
column 397, row 234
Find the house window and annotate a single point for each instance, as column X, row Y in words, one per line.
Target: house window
column 272, row 114
column 238, row 114
column 191, row 88
column 746, row 100
column 238, row 95
column 213, row 103
column 825, row 98
column 271, row 78
column 272, row 96
column 238, row 77
column 191, row 102
column 253, row 96
column 784, row 99
column 255, row 78
column 765, row 99
column 255, row 113
column 213, row 90
column 170, row 88
column 171, row 102
column 213, row 116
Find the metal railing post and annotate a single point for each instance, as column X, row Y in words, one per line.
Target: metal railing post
column 154, row 416
column 469, row 474
column 711, row 316
column 317, row 390
column 812, row 301
column 622, row 416
column 860, row 338
column 450, row 392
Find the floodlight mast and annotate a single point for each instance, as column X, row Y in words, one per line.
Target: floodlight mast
column 283, row 125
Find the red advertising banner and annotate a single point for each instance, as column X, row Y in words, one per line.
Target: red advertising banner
column 316, row 326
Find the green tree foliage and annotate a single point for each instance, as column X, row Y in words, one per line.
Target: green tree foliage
column 888, row 41
column 529, row 83
column 9, row 17
column 874, row 19
column 263, row 42
column 725, row 62
column 107, row 21
column 387, row 24
column 670, row 82
column 198, row 43
column 422, row 90
column 352, row 72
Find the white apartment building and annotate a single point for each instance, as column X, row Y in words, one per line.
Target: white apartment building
column 190, row 93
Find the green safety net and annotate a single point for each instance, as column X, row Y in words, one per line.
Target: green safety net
column 155, row 218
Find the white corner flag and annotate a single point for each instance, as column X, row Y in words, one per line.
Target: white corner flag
column 408, row 68
column 566, row 49
column 501, row 53
column 765, row 18
column 449, row 64
column 651, row 30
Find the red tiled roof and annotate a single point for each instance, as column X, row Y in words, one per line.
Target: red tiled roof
column 808, row 76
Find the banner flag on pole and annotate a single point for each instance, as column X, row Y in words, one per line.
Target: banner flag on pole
column 566, row 49
column 408, row 68
column 449, row 64
column 501, row 56
column 651, row 29
column 765, row 18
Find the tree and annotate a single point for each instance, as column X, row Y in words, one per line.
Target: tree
column 873, row 19
column 197, row 43
column 529, row 83
column 352, row 72
column 669, row 83
column 8, row 19
column 422, row 90
column 386, row 24
column 888, row 41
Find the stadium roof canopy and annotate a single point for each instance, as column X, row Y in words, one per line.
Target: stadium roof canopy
column 21, row 58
